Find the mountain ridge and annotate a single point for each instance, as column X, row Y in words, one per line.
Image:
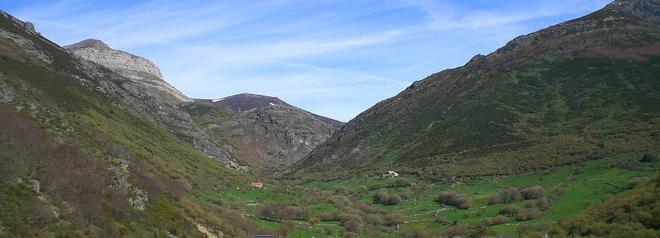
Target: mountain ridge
column 409, row 125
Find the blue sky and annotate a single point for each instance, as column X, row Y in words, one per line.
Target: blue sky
column 333, row 58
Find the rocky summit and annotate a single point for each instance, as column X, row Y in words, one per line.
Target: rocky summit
column 134, row 67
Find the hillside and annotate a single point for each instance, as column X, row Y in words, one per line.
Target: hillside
column 142, row 86
column 82, row 156
column 579, row 90
column 264, row 131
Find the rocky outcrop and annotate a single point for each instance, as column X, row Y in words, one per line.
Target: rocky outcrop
column 136, row 68
column 139, row 83
column 265, row 131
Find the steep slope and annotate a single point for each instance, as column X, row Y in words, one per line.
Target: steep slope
column 147, row 90
column 574, row 91
column 79, row 158
column 265, row 131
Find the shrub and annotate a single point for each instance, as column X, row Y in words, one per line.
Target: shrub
column 374, row 219
column 442, row 220
column 528, row 214
column 383, row 198
column 458, row 230
column 341, row 190
column 393, row 219
column 405, row 195
column 499, row 219
column 352, row 223
column 484, row 223
column 533, row 192
column 509, row 195
column 509, row 210
column 454, row 198
column 282, row 212
column 543, row 204
column 494, row 199
column 400, row 182
column 329, row 216
column 419, row 234
column 648, row 158
column 314, row 221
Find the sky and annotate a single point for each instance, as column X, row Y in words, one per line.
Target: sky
column 335, row 58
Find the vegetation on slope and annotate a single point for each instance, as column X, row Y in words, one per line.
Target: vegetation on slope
column 546, row 99
column 76, row 163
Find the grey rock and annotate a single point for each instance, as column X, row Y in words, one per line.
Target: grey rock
column 136, row 68
column 265, row 131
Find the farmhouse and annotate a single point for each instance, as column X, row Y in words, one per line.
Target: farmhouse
column 390, row 174
column 257, row 185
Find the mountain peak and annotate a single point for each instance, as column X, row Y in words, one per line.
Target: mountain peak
column 646, row 9
column 248, row 101
column 89, row 43
column 137, row 68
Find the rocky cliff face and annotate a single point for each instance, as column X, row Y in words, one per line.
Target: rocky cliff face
column 512, row 109
column 265, row 131
column 134, row 67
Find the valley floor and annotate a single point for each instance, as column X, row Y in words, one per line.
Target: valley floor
column 354, row 207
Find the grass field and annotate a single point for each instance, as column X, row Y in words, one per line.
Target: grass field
column 570, row 189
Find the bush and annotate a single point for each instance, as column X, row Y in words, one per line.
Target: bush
column 383, row 198
column 454, row 198
column 484, row 223
column 499, row 219
column 283, row 212
column 494, row 199
column 442, row 220
column 457, row 230
column 533, row 192
column 648, row 158
column 341, row 190
column 352, row 223
column 509, row 210
column 400, row 182
column 329, row 216
column 314, row 221
column 393, row 219
column 543, row 204
column 528, row 214
column 509, row 195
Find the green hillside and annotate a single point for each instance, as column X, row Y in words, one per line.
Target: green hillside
column 75, row 163
column 550, row 98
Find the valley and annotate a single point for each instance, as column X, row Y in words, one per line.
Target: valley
column 555, row 134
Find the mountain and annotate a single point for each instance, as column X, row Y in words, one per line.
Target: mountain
column 576, row 91
column 84, row 155
column 135, row 68
column 151, row 94
column 264, row 131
